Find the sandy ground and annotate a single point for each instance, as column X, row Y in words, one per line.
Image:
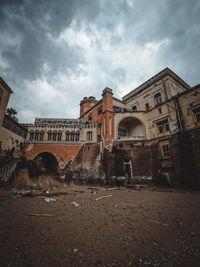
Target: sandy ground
column 148, row 227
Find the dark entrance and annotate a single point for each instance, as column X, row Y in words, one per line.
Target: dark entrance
column 48, row 162
column 127, row 170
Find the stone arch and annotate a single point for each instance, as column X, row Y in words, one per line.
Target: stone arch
column 133, row 127
column 48, row 160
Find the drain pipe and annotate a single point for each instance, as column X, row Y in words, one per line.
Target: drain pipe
column 175, row 107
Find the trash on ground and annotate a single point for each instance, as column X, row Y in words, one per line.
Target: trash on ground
column 103, row 197
column 46, row 192
column 75, row 250
column 14, row 193
column 65, row 185
column 26, row 193
column 42, row 215
column 157, row 222
column 94, row 192
column 49, row 199
column 75, row 203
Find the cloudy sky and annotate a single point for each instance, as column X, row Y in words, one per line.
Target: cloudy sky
column 55, row 52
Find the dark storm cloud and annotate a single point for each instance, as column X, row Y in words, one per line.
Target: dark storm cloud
column 72, row 48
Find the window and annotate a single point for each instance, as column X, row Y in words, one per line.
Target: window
column 72, row 137
column 99, row 110
column 90, row 118
column 67, row 137
column 122, row 132
column 163, row 126
column 147, row 107
column 134, row 108
column 31, row 136
column 54, row 136
column 49, row 136
column 59, row 136
column 41, row 136
column 160, row 111
column 89, row 136
column 36, row 136
column 166, row 151
column 158, row 98
column 77, row 137
column 197, row 114
column 1, row 94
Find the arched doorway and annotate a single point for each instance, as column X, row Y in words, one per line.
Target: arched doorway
column 47, row 161
column 131, row 128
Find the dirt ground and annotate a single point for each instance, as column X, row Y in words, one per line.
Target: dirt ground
column 146, row 227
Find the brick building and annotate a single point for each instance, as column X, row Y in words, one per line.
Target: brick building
column 151, row 131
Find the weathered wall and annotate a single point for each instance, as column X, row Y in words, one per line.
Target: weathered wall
column 86, row 166
column 9, row 139
column 63, row 153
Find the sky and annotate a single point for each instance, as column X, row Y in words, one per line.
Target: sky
column 55, row 52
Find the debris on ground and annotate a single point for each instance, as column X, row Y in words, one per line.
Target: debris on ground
column 49, row 199
column 75, row 250
column 157, row 222
column 94, row 192
column 75, row 203
column 41, row 215
column 103, row 197
column 14, row 193
column 26, row 193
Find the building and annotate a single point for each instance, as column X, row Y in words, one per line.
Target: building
column 12, row 133
column 152, row 131
column 5, row 93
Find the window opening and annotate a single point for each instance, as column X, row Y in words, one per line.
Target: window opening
column 89, row 136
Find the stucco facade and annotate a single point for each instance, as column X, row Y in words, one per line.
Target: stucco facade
column 144, row 134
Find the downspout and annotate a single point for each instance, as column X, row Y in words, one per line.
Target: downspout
column 176, row 107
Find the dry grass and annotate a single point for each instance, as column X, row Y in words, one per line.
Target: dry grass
column 22, row 180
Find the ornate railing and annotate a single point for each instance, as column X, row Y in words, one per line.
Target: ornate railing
column 131, row 138
column 7, row 170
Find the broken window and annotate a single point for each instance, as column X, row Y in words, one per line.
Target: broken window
column 166, row 151
column 99, row 110
column 67, row 137
column 54, row 136
column 36, row 136
column 197, row 114
column 31, row 136
column 158, row 98
column 163, row 126
column 89, row 136
column 77, row 137
column 41, row 136
column 122, row 132
column 134, row 108
column 59, row 136
column 49, row 136
column 72, row 137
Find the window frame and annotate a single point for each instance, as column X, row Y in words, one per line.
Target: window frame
column 166, row 151
column 158, row 98
column 89, row 136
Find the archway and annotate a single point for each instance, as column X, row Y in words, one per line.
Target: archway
column 47, row 161
column 131, row 128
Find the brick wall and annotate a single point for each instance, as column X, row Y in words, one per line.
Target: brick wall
column 66, row 152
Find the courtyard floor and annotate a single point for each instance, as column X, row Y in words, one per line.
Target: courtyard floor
column 144, row 227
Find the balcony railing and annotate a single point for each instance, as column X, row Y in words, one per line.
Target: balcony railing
column 131, row 138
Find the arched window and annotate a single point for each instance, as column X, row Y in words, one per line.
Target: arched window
column 49, row 136
column 158, row 98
